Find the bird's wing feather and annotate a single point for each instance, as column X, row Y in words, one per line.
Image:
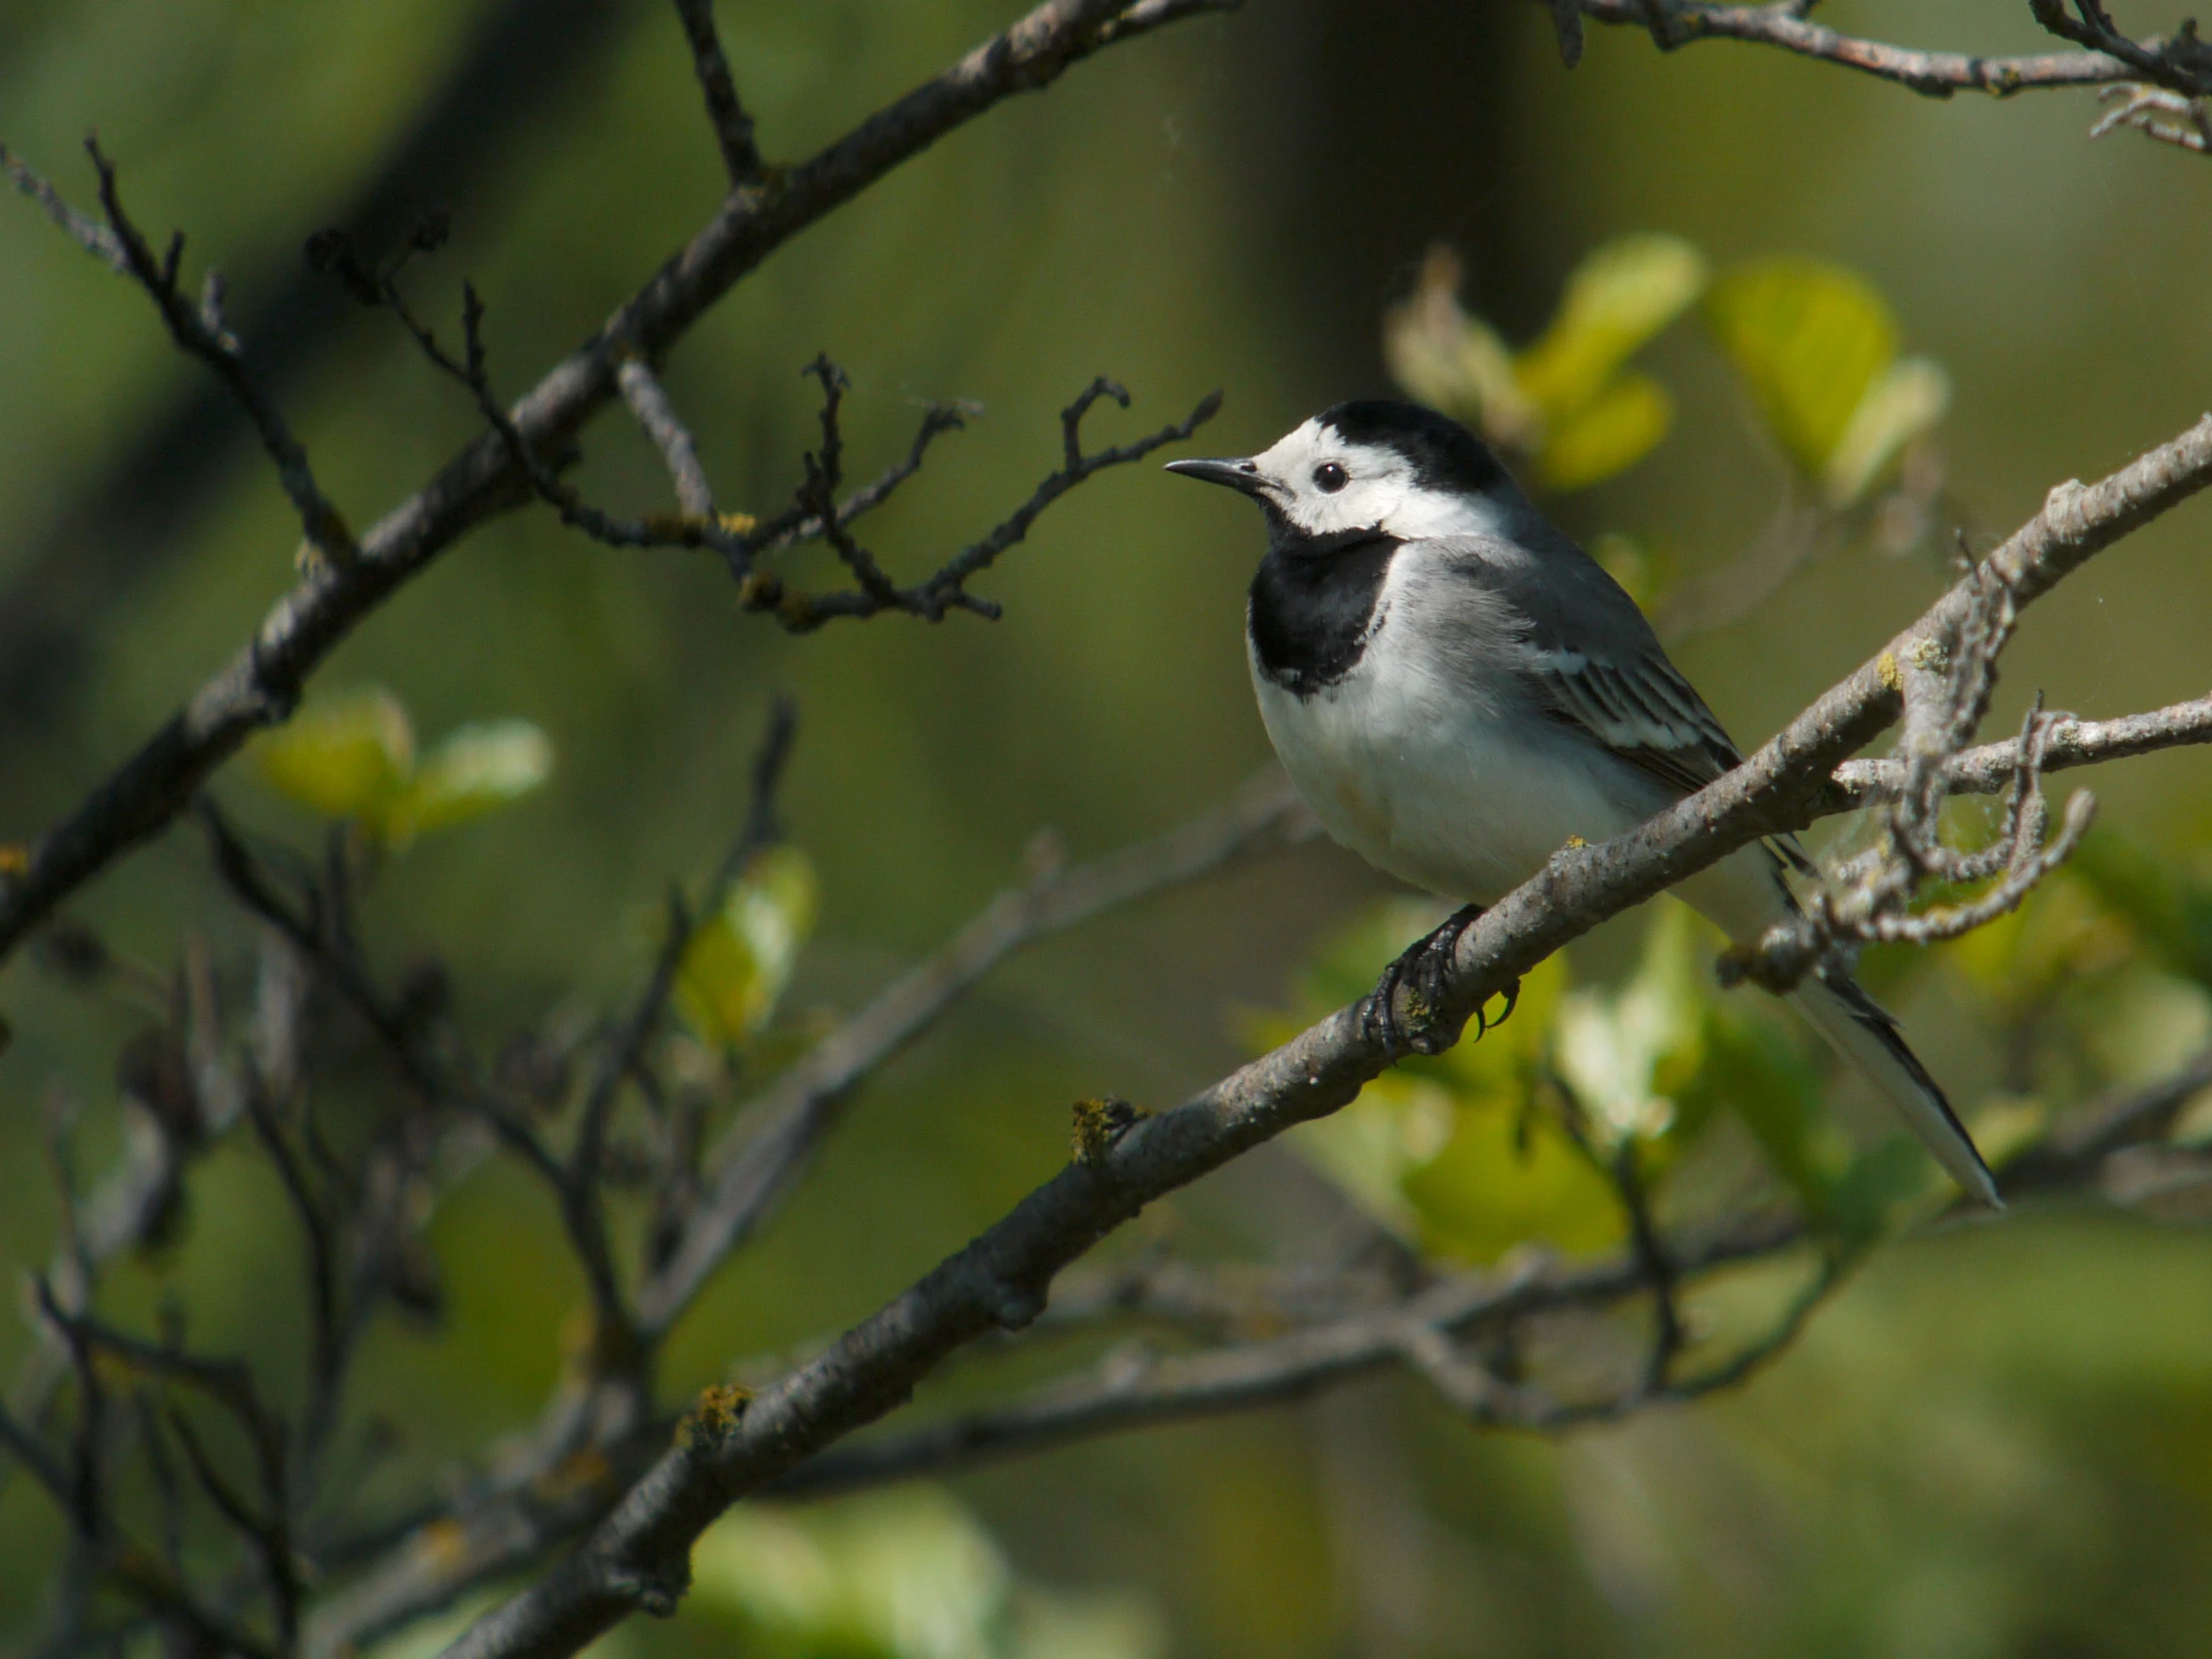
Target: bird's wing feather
column 1596, row 665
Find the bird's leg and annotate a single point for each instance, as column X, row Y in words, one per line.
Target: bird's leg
column 1420, row 971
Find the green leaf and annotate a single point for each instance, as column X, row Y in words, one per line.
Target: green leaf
column 1441, row 356
column 346, row 757
column 2014, row 965
column 1629, row 1054
column 1406, row 1119
column 1809, row 339
column 1755, row 1069
column 1618, row 297
column 896, row 1575
column 1881, row 1186
column 476, row 769
column 740, row 961
column 1621, row 425
column 1906, row 400
column 1509, row 1176
column 1644, row 575
column 905, row 1574
column 2169, row 914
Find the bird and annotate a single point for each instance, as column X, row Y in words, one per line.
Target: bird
column 1459, row 690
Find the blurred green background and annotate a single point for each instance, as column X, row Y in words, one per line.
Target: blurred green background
column 1995, row 1443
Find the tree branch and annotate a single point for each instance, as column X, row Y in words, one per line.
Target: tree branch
column 262, row 682
column 1782, row 23
column 741, row 157
column 198, row 330
column 2068, row 742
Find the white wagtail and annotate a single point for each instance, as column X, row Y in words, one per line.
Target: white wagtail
column 1459, row 690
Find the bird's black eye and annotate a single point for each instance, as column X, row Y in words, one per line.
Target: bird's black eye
column 1331, row 477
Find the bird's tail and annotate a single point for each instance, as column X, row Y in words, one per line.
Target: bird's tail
column 1865, row 1035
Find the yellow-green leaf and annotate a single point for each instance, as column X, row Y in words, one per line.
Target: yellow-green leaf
column 1643, row 574
column 2169, row 910
column 1441, row 356
column 1753, row 1068
column 1906, row 399
column 1406, row 1118
column 740, row 961
column 1508, row 1177
column 1808, row 338
column 1620, row 296
column 1630, row 1053
column 346, row 757
column 906, row 1574
column 2015, row 965
column 476, row 769
column 1610, row 433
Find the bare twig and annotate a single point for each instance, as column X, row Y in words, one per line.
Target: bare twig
column 261, row 683
column 1783, row 24
column 582, row 1194
column 420, row 1062
column 947, row 590
column 197, row 329
column 741, row 157
column 2181, row 64
column 2169, row 116
column 27, row 1449
column 648, row 401
column 89, row 233
column 2066, row 741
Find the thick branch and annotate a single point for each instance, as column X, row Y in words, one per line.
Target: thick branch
column 263, row 682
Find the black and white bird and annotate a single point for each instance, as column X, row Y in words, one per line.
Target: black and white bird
column 1459, row 690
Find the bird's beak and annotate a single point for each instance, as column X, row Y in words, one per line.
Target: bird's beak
column 1242, row 476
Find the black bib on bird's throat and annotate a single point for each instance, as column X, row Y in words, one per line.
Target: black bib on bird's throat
column 1313, row 603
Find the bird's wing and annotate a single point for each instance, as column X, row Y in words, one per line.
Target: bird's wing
column 1639, row 707
column 1594, row 664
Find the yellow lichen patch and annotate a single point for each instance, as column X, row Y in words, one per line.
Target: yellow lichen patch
column 444, row 1544
column 578, row 1471
column 1576, row 842
column 1893, row 676
column 1929, row 656
column 715, row 1416
column 1099, row 1122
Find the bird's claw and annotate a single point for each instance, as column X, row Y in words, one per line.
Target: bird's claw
column 1420, row 972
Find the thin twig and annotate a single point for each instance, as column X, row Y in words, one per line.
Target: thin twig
column 582, row 1196
column 1780, row 23
column 648, row 401
column 197, row 328
column 741, row 157
column 89, row 233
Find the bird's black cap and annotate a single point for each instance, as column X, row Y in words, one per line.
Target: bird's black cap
column 1443, row 453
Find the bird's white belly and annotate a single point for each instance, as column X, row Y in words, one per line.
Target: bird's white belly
column 1424, row 781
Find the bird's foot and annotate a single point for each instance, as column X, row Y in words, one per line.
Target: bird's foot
column 1419, row 976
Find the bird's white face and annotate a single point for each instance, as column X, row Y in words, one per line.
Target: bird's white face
column 1325, row 484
